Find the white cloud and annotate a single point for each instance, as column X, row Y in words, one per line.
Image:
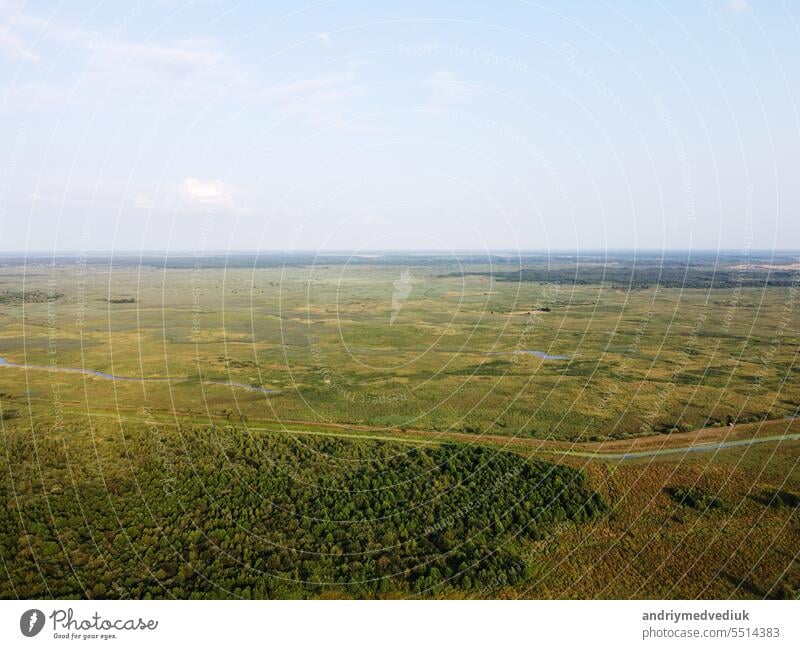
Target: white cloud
column 325, row 38
column 446, row 89
column 189, row 194
column 35, row 96
column 12, row 48
column 110, row 62
column 204, row 193
column 374, row 219
column 150, row 63
column 737, row 6
column 143, row 201
column 323, row 99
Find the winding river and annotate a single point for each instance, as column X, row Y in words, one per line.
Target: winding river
column 115, row 377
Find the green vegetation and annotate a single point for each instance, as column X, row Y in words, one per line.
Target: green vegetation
column 626, row 273
column 285, row 426
column 220, row 513
column 34, row 296
column 695, row 498
column 651, row 546
column 781, row 498
column 319, row 337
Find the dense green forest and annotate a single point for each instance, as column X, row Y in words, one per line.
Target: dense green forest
column 221, row 512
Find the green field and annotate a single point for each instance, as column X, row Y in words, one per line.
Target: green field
column 331, row 427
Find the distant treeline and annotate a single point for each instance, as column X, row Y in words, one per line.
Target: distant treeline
column 496, row 260
column 28, row 297
column 222, row 513
column 640, row 277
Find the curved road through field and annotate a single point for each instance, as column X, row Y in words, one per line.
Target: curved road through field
column 535, row 445
column 697, row 448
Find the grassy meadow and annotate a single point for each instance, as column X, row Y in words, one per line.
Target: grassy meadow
column 638, row 361
column 297, row 427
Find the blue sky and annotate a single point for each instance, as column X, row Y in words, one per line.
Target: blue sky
column 392, row 125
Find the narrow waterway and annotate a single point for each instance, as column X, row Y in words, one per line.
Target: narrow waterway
column 115, row 377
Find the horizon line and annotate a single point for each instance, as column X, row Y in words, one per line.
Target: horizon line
column 364, row 252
